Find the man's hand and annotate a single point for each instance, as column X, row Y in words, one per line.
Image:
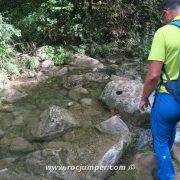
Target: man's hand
column 144, row 103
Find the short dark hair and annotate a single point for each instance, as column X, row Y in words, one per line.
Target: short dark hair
column 171, row 4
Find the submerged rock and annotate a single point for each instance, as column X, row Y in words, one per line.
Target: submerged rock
column 77, row 93
column 86, row 102
column 6, row 174
column 4, row 163
column 11, row 94
column 48, row 163
column 54, row 122
column 114, row 125
column 2, row 133
column 144, row 164
column 20, row 145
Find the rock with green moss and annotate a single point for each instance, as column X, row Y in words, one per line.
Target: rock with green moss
column 20, row 145
column 53, row 122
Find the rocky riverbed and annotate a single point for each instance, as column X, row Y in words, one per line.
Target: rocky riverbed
column 84, row 113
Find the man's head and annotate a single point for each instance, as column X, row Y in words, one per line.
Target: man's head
column 171, row 9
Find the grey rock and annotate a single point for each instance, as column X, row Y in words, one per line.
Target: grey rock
column 27, row 73
column 62, row 71
column 20, row 145
column 41, row 162
column 124, row 94
column 97, row 77
column 70, row 104
column 114, row 125
column 54, row 122
column 11, row 94
column 110, row 158
column 4, row 163
column 6, row 174
column 86, row 102
column 145, row 163
column 46, row 65
column 73, row 81
column 85, row 61
column 144, row 137
column 176, row 152
column 78, row 93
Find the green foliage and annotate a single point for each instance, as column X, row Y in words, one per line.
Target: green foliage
column 88, row 26
column 32, row 63
column 62, row 57
column 7, row 52
column 3, row 78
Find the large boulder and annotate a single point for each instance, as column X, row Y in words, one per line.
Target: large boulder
column 124, row 95
column 80, row 60
column 53, row 122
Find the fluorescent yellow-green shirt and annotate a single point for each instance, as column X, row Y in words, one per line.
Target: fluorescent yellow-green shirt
column 166, row 48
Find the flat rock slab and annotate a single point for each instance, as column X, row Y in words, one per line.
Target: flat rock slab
column 114, row 125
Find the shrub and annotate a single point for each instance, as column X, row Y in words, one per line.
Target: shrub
column 62, row 57
column 7, row 53
column 32, row 63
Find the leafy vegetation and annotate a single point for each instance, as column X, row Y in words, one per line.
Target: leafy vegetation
column 8, row 64
column 62, row 27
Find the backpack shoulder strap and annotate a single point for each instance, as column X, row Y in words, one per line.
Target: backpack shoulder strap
column 175, row 23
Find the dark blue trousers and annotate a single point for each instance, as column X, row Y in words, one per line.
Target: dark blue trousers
column 165, row 114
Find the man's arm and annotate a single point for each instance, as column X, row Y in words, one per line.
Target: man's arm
column 151, row 81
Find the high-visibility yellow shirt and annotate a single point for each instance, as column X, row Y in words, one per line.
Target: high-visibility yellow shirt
column 166, row 48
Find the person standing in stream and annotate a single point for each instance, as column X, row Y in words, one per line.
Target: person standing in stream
column 165, row 111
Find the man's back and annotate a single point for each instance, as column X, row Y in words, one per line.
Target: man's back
column 166, row 48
